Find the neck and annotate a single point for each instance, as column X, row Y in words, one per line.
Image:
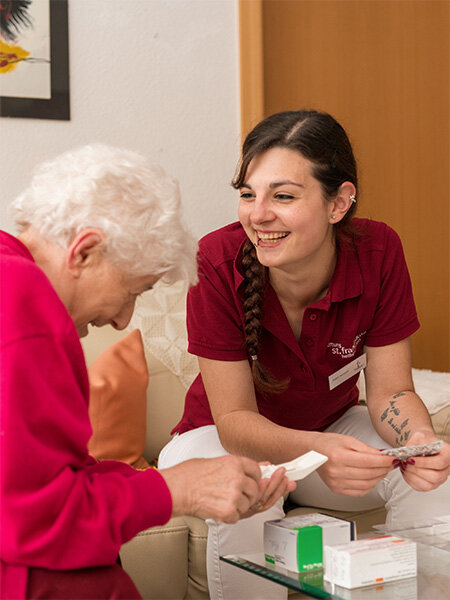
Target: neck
column 48, row 257
column 307, row 282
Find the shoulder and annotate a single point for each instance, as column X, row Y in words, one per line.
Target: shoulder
column 29, row 304
column 374, row 235
column 222, row 245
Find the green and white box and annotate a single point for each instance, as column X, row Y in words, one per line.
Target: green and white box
column 297, row 543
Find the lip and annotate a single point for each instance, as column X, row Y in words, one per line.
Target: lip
column 270, row 239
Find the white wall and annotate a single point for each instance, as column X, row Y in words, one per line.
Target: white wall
column 157, row 76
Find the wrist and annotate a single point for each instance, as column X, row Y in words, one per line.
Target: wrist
column 315, row 441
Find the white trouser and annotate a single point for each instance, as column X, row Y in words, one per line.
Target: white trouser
column 230, row 583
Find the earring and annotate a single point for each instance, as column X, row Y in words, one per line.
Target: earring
column 333, row 216
column 353, row 197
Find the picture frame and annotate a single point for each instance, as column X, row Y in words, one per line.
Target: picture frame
column 57, row 106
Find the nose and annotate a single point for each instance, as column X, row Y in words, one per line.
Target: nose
column 261, row 211
column 123, row 317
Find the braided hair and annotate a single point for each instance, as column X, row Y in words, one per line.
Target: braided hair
column 318, row 137
column 255, row 275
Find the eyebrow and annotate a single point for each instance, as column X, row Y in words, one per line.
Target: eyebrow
column 276, row 184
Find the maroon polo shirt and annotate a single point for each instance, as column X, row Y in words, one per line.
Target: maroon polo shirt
column 369, row 303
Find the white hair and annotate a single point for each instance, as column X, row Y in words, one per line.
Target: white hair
column 135, row 203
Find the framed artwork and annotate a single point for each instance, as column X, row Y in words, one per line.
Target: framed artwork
column 34, row 59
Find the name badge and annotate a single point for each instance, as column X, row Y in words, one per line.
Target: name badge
column 348, row 371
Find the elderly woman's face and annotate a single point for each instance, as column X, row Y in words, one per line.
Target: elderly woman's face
column 107, row 296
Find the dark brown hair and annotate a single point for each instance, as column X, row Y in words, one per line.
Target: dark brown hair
column 318, row 137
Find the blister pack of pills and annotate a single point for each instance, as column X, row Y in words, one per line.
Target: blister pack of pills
column 408, row 451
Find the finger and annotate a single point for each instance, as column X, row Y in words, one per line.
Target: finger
column 431, row 476
column 418, row 483
column 244, row 504
column 357, row 485
column 360, row 446
column 366, row 460
column 251, row 468
column 276, row 477
column 268, row 487
column 264, row 491
column 251, row 490
column 283, row 488
column 430, row 462
column 359, row 473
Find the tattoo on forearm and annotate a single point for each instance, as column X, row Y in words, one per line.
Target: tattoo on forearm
column 391, row 409
column 394, row 411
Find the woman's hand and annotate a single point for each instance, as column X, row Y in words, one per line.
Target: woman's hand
column 424, row 473
column 353, row 468
column 225, row 489
column 270, row 491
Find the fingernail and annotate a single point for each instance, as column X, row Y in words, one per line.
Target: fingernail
column 403, row 466
column 411, row 461
column 396, row 462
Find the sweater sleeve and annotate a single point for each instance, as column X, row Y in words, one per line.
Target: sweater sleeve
column 60, row 509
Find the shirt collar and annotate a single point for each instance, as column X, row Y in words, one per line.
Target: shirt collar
column 9, row 241
column 237, row 267
column 345, row 283
column 347, row 279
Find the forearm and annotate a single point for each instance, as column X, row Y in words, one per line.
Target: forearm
column 251, row 434
column 398, row 417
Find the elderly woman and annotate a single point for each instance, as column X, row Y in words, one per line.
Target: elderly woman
column 98, row 227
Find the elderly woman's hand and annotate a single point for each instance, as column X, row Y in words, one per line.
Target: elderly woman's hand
column 271, row 489
column 224, row 489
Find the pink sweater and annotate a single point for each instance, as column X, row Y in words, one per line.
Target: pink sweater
column 60, row 509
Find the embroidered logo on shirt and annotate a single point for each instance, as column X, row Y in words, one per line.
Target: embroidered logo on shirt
column 340, row 350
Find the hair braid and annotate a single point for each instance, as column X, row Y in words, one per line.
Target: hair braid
column 254, row 284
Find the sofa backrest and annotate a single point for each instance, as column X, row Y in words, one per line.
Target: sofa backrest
column 165, row 392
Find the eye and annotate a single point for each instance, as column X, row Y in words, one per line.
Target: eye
column 247, row 196
column 284, row 197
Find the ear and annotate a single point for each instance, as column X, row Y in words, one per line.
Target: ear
column 339, row 206
column 83, row 250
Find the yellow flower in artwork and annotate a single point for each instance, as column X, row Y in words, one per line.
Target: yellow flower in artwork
column 11, row 56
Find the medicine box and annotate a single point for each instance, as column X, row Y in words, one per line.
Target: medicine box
column 370, row 561
column 297, row 543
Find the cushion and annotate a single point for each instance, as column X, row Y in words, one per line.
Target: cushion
column 431, row 387
column 117, row 408
column 441, row 423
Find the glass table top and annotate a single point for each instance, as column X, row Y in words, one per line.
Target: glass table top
column 432, row 581
column 431, row 532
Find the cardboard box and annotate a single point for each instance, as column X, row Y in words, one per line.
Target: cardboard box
column 297, row 543
column 370, row 561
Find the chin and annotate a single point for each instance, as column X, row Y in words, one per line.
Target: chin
column 82, row 331
column 268, row 260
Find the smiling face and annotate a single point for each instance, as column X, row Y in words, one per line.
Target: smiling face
column 106, row 295
column 284, row 212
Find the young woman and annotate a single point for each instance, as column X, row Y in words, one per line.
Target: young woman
column 292, row 303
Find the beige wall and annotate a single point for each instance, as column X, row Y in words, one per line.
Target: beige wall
column 381, row 67
column 158, row 77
